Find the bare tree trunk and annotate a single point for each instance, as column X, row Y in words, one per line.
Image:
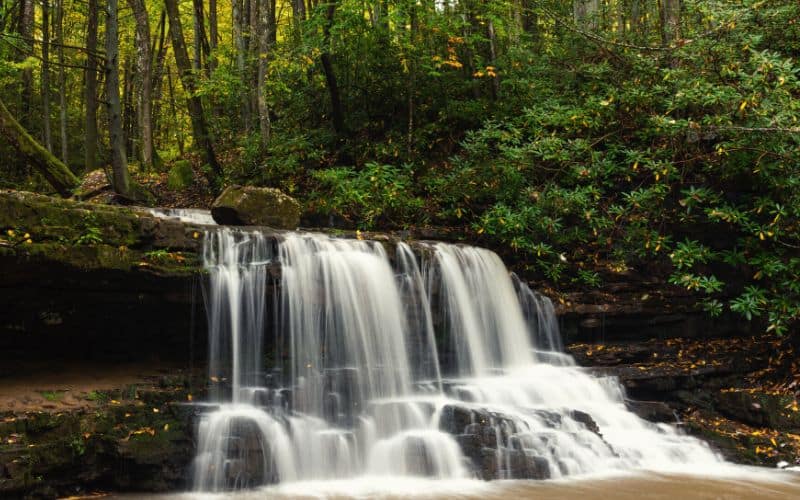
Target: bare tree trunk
column 670, row 20
column 253, row 56
column 239, row 47
column 330, row 75
column 129, row 117
column 90, row 91
column 144, row 81
column 51, row 168
column 159, row 48
column 213, row 33
column 265, row 30
column 120, row 177
column 174, row 110
column 200, row 132
column 587, row 14
column 493, row 59
column 62, row 81
column 26, row 32
column 46, row 135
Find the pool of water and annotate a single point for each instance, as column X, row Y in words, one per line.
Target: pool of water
column 737, row 483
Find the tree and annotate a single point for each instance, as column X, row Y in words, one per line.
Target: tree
column 51, row 168
column 144, row 82
column 45, row 87
column 265, row 30
column 200, row 132
column 120, row 178
column 62, row 81
column 90, row 90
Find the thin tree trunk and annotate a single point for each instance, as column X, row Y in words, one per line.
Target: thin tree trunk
column 26, row 32
column 265, row 46
column 213, row 34
column 197, row 24
column 46, row 135
column 239, row 47
column 586, row 14
column 160, row 50
column 330, row 75
column 670, row 20
column 120, row 177
column 253, row 56
column 51, row 168
column 144, row 82
column 129, row 112
column 174, row 110
column 62, row 82
column 200, row 132
column 493, row 59
column 90, row 91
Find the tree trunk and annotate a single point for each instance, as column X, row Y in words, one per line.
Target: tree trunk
column 144, row 82
column 26, row 32
column 587, row 14
column 493, row 58
column 200, row 132
column 253, row 56
column 174, row 110
column 46, row 135
column 90, row 91
column 239, row 47
column 670, row 21
column 265, row 46
column 330, row 75
column 159, row 49
column 62, row 82
column 213, row 33
column 120, row 177
column 51, row 168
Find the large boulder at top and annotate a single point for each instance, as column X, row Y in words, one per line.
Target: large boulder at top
column 256, row 206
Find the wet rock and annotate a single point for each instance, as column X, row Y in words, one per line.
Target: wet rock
column 758, row 409
column 455, row 419
column 256, row 206
column 585, row 419
column 654, row 411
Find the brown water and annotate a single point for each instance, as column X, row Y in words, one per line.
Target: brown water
column 750, row 485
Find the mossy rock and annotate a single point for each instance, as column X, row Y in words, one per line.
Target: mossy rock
column 256, row 206
column 181, row 175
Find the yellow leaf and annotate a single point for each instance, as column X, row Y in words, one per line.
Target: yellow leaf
column 742, row 106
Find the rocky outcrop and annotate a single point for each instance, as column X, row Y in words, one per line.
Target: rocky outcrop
column 499, row 446
column 256, row 206
column 139, row 438
column 90, row 281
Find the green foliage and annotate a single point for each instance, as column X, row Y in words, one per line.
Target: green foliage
column 92, row 234
column 377, row 193
column 181, row 175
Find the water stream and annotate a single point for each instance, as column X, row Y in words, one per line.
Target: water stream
column 392, row 362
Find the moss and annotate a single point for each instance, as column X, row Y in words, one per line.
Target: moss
column 254, row 206
column 90, row 236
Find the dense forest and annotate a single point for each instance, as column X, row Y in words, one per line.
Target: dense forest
column 585, row 137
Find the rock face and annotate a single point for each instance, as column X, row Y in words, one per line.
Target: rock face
column 255, row 206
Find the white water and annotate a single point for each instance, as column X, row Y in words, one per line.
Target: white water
column 357, row 387
column 189, row 215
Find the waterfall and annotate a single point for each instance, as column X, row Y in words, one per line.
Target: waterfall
column 334, row 358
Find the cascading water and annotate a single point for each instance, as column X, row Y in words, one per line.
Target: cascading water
column 356, row 386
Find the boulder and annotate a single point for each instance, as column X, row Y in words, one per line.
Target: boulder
column 256, row 206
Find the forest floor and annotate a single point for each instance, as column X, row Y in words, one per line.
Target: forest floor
column 66, row 386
